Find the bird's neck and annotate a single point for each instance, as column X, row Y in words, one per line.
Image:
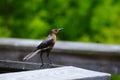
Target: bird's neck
column 54, row 36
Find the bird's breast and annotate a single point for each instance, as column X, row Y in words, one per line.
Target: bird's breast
column 54, row 39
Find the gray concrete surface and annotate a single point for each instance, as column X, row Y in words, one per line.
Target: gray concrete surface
column 98, row 57
column 21, row 66
column 61, row 73
column 74, row 47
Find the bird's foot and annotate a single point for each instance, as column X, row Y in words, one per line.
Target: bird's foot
column 49, row 65
column 41, row 66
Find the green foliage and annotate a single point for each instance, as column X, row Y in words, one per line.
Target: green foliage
column 115, row 77
column 83, row 20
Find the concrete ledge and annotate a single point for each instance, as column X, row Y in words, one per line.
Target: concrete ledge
column 99, row 57
column 14, row 66
column 74, row 47
column 61, row 73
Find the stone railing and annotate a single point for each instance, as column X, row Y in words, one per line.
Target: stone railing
column 99, row 57
column 60, row 73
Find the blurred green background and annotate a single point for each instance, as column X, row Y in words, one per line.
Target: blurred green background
column 83, row 20
column 95, row 21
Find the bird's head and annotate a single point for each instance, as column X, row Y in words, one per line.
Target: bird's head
column 55, row 31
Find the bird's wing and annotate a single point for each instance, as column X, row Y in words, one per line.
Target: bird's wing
column 44, row 44
column 47, row 42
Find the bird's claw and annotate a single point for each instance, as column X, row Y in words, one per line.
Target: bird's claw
column 41, row 66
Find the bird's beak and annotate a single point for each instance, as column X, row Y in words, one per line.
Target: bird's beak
column 60, row 29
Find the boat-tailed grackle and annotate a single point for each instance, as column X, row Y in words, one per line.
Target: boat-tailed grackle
column 45, row 46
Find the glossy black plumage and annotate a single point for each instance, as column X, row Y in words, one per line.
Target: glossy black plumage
column 46, row 43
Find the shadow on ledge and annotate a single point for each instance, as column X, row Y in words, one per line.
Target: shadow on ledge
column 7, row 66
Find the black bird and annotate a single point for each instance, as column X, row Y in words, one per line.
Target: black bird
column 45, row 46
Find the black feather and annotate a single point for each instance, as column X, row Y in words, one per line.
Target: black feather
column 47, row 42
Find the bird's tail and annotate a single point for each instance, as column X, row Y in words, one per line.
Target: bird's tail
column 27, row 57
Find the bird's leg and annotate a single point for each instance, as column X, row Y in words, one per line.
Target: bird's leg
column 49, row 60
column 41, row 54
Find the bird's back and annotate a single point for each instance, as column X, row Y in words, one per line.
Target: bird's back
column 49, row 41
